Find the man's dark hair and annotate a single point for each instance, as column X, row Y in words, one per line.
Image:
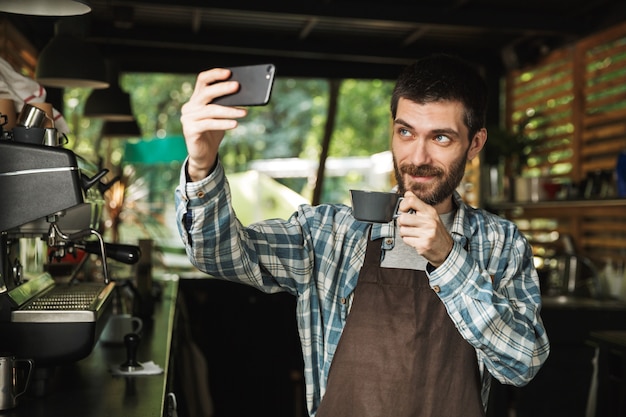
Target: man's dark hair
column 444, row 77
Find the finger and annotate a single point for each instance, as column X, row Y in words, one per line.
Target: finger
column 220, row 89
column 192, row 112
column 202, row 126
column 408, row 203
column 212, row 84
column 210, row 77
column 413, row 203
column 206, row 94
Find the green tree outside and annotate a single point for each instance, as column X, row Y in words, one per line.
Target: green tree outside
column 291, row 125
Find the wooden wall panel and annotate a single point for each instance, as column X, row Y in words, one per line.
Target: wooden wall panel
column 17, row 50
column 578, row 98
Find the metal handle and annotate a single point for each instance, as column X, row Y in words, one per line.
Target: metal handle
column 31, row 364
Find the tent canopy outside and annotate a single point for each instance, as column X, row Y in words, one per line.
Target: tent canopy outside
column 256, row 196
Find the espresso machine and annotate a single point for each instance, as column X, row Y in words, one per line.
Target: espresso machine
column 47, row 193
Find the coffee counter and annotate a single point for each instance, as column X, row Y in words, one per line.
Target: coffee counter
column 88, row 389
column 562, row 386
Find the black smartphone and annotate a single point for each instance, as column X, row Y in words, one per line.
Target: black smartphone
column 255, row 86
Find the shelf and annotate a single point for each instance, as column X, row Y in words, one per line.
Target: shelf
column 619, row 202
column 598, row 227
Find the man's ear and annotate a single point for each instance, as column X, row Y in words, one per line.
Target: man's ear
column 477, row 143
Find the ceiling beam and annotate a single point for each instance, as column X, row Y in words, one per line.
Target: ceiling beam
column 377, row 11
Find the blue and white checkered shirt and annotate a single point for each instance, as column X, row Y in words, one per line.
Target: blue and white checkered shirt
column 488, row 282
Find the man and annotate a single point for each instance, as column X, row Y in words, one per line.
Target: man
column 410, row 318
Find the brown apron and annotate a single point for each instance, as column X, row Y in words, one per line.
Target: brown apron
column 400, row 354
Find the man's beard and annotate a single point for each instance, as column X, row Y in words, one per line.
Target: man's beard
column 431, row 193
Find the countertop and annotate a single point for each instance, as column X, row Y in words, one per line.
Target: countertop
column 88, row 389
column 571, row 302
column 610, row 337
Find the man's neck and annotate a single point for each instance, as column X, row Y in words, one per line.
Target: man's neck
column 446, row 206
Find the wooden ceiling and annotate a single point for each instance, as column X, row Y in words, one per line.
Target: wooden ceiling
column 328, row 38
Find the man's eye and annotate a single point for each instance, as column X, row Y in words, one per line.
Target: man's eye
column 442, row 139
column 404, row 132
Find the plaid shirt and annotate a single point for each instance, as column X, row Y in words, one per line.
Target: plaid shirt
column 488, row 282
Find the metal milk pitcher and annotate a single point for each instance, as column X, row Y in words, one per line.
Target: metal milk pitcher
column 31, row 116
column 9, row 390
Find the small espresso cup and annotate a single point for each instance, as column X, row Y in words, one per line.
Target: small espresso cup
column 375, row 206
column 118, row 326
column 34, row 135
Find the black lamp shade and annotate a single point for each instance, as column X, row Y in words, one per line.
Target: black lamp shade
column 109, row 104
column 46, row 7
column 66, row 61
column 127, row 129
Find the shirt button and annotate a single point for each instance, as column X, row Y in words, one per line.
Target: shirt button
column 436, row 288
column 343, row 300
column 389, row 241
column 200, row 194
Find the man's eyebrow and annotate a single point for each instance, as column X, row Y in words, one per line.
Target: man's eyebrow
column 447, row 132
column 442, row 131
column 402, row 122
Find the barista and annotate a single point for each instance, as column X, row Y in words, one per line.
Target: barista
column 410, row 318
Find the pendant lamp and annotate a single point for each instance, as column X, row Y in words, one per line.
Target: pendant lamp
column 68, row 61
column 110, row 103
column 127, row 129
column 46, row 7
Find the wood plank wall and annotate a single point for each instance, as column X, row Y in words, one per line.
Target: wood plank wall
column 17, row 50
column 576, row 98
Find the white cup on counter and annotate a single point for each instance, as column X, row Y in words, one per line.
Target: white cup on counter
column 118, row 326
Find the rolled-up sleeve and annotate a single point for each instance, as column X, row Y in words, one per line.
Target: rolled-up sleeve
column 491, row 291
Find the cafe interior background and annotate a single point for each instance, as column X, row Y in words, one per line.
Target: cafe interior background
column 555, row 161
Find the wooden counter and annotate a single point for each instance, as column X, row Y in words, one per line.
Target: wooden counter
column 88, row 389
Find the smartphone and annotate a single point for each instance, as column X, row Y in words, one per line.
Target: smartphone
column 255, row 86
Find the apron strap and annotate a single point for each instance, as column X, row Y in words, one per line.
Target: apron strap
column 373, row 252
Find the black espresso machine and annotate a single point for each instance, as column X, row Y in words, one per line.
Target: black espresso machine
column 46, row 194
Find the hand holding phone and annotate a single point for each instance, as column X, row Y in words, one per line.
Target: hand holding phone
column 255, row 86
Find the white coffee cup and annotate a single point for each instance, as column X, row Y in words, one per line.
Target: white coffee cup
column 118, row 326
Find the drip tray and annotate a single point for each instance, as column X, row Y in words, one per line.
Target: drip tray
column 56, row 323
column 65, row 303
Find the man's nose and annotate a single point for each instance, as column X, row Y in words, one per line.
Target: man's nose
column 419, row 153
